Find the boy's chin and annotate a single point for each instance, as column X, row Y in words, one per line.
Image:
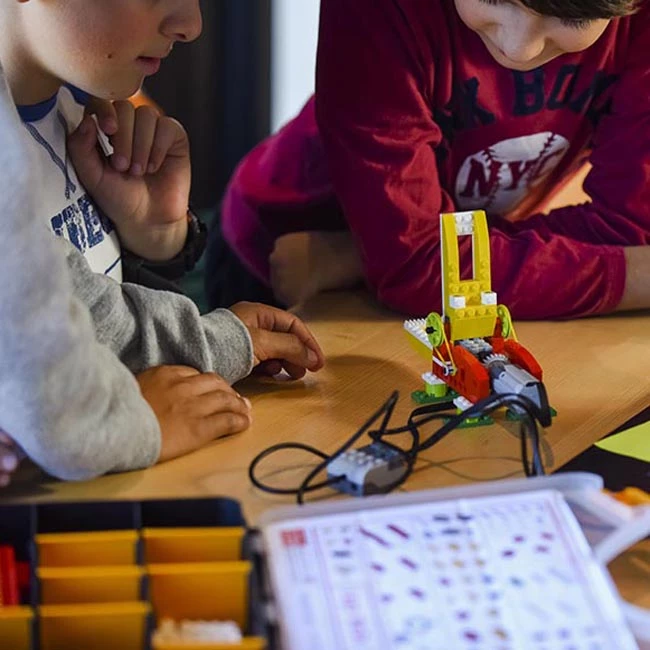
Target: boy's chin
column 504, row 61
column 115, row 91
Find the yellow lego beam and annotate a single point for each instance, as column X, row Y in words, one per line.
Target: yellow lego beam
column 470, row 306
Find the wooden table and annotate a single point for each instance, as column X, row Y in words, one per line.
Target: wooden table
column 596, row 373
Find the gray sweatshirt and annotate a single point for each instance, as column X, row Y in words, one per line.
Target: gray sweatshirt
column 69, row 339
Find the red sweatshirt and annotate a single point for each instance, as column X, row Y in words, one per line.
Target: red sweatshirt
column 415, row 117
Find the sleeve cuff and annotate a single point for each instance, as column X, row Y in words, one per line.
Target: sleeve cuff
column 230, row 344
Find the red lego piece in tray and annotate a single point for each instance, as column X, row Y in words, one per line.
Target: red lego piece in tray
column 9, row 593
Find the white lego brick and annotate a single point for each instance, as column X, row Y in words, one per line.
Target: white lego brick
column 462, row 403
column 464, row 223
column 488, row 298
column 464, row 217
column 416, row 327
column 431, row 379
column 457, row 302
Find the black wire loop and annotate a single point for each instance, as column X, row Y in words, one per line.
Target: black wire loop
column 528, row 412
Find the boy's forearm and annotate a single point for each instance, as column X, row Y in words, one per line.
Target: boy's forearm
column 146, row 328
column 344, row 268
column 637, row 279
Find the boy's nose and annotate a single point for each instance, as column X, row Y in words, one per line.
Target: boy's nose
column 523, row 47
column 522, row 39
column 184, row 22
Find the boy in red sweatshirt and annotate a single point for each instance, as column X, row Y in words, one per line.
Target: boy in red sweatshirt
column 430, row 106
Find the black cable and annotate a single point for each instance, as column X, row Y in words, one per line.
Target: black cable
column 527, row 411
column 271, row 450
column 386, row 408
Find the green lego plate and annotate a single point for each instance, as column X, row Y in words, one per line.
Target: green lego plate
column 422, row 397
column 471, row 423
column 514, row 417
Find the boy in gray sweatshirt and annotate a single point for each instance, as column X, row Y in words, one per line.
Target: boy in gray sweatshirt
column 73, row 407
column 100, row 208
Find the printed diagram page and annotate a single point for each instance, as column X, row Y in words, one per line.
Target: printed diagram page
column 512, row 572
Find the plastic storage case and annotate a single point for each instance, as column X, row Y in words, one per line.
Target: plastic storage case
column 103, row 573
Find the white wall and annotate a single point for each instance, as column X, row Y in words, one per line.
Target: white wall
column 293, row 42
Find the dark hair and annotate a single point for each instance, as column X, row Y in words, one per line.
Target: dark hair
column 583, row 9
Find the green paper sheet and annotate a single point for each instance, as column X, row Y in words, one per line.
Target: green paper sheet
column 634, row 442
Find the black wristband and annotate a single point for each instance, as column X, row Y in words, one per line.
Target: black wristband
column 184, row 261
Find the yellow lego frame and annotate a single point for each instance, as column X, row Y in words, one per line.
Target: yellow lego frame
column 469, row 306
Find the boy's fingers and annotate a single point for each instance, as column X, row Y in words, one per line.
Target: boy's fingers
column 146, row 119
column 294, row 371
column 273, row 319
column 287, row 347
column 269, row 368
column 222, row 402
column 170, row 139
column 105, row 112
column 5, row 479
column 284, row 321
column 122, row 140
column 223, row 424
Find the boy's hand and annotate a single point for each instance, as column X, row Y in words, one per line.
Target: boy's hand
column 305, row 263
column 10, row 457
column 144, row 187
column 280, row 340
column 192, row 408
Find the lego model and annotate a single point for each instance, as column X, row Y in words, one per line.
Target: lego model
column 472, row 345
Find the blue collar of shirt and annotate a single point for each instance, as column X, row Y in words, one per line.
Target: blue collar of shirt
column 36, row 112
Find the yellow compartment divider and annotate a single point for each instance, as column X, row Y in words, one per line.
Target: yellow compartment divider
column 87, row 549
column 16, row 627
column 200, row 591
column 94, row 627
column 179, row 545
column 77, row 585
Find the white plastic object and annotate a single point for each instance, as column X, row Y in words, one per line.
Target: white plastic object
column 416, row 327
column 222, row 632
column 611, row 547
column 464, row 223
column 102, row 138
column 488, row 298
column 457, row 301
column 431, row 379
column 462, row 403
